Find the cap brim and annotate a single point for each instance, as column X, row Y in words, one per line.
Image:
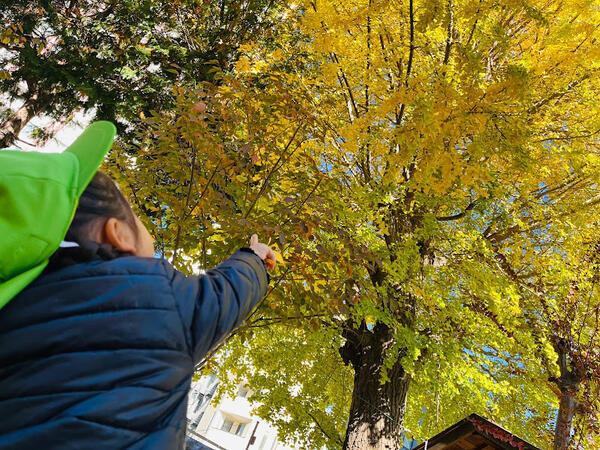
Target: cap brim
column 10, row 288
column 90, row 148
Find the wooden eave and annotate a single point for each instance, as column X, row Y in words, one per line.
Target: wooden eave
column 475, row 433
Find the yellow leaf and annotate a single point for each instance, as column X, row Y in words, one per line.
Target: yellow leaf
column 278, row 257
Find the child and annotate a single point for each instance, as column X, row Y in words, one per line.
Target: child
column 98, row 339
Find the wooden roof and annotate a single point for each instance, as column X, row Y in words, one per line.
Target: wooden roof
column 475, row 433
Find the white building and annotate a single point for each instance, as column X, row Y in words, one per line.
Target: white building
column 230, row 425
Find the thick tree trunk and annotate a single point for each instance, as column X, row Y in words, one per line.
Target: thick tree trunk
column 377, row 410
column 11, row 128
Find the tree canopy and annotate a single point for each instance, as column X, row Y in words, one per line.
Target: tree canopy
column 119, row 58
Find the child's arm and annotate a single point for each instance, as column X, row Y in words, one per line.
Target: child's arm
column 217, row 302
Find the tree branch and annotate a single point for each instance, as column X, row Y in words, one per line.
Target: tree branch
column 275, row 320
column 342, row 78
column 185, row 208
column 286, row 221
column 556, row 95
column 459, row 215
column 272, row 171
column 449, row 31
column 568, row 138
column 337, row 438
column 411, row 52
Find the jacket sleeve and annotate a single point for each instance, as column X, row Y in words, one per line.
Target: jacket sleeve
column 215, row 303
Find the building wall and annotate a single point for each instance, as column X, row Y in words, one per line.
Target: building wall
column 229, row 425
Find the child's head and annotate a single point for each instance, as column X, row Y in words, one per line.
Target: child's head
column 104, row 216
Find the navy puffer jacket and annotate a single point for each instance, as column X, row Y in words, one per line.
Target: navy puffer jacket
column 100, row 355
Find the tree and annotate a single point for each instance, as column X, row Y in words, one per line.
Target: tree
column 445, row 124
column 405, row 156
column 565, row 312
column 119, row 58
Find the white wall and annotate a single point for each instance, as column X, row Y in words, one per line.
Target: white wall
column 238, row 411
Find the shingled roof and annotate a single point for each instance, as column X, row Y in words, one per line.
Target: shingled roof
column 475, row 433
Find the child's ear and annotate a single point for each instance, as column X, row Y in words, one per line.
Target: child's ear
column 120, row 235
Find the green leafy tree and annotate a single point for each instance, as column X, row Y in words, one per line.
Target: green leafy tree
column 119, row 58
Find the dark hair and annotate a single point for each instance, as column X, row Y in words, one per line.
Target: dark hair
column 100, row 201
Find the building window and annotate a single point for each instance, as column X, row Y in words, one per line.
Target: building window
column 227, row 425
column 199, row 403
column 240, row 429
column 233, row 427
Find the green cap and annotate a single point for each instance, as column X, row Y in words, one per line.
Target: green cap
column 39, row 193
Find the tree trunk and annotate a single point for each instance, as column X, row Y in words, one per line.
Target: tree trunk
column 564, row 419
column 10, row 129
column 377, row 410
column 568, row 383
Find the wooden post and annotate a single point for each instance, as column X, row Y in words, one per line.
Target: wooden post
column 252, row 438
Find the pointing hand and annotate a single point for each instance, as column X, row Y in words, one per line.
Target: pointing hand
column 263, row 251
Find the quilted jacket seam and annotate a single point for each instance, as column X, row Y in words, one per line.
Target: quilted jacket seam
column 176, row 306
